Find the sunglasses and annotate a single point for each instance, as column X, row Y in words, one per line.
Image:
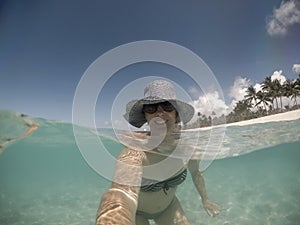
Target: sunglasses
column 152, row 108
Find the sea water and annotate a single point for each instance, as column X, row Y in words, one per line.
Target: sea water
column 45, row 180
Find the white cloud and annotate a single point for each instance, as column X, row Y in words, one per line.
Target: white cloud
column 277, row 75
column 285, row 16
column 194, row 91
column 210, row 102
column 296, row 68
column 239, row 88
column 258, row 87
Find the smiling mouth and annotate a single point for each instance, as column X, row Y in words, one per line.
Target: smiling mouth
column 159, row 121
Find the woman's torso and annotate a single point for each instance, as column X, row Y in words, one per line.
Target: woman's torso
column 158, row 200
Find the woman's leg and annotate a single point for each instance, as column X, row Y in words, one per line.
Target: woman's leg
column 139, row 220
column 173, row 215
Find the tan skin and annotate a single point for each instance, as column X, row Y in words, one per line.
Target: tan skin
column 150, row 202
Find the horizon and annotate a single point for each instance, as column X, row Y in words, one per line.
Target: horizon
column 288, row 115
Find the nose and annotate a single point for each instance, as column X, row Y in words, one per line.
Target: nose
column 159, row 111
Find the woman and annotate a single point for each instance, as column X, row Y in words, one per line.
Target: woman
column 146, row 198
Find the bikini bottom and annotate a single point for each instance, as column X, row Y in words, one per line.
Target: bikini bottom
column 151, row 216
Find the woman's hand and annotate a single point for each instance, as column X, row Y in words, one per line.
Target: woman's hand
column 211, row 208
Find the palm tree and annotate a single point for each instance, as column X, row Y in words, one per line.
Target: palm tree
column 268, row 87
column 297, row 82
column 292, row 89
column 298, row 79
column 277, row 91
column 289, row 89
column 251, row 95
column 204, row 121
column 242, row 110
column 263, row 98
column 199, row 119
column 274, row 90
column 296, row 90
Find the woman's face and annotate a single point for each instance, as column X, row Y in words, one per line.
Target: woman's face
column 161, row 117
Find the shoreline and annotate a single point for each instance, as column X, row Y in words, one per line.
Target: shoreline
column 285, row 116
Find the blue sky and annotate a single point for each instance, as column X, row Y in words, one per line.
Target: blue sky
column 46, row 46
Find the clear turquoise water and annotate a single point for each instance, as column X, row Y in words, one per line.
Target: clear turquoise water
column 45, row 180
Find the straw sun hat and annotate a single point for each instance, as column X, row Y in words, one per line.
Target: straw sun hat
column 156, row 92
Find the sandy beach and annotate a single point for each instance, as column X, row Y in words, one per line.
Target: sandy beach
column 286, row 116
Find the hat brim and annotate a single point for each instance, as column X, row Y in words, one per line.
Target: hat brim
column 135, row 116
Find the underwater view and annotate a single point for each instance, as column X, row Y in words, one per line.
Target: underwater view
column 254, row 176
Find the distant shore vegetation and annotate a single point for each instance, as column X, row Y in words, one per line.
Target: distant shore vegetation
column 257, row 103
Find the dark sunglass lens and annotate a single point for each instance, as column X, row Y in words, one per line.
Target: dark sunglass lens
column 167, row 106
column 150, row 108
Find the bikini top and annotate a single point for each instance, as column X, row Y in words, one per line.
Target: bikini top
column 154, row 186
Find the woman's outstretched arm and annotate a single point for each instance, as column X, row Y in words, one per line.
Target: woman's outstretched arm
column 119, row 204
